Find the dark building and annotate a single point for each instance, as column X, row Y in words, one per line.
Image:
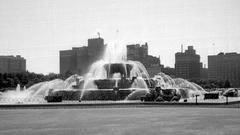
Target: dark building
column 95, row 49
column 225, row 67
column 139, row 53
column 187, row 64
column 11, row 64
column 79, row 59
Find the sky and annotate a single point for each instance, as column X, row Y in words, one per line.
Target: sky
column 38, row 29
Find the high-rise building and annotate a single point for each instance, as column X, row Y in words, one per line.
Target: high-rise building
column 74, row 61
column 79, row 59
column 139, row 53
column 225, row 67
column 11, row 64
column 187, row 64
column 95, row 49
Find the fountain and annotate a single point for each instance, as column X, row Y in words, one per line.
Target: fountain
column 14, row 96
column 115, row 78
column 174, row 89
column 115, row 81
column 37, row 92
column 111, row 78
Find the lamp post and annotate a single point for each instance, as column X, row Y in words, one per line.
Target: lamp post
column 226, row 99
column 196, row 99
column 116, row 89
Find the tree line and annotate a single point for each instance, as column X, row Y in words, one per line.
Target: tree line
column 27, row 79
column 208, row 84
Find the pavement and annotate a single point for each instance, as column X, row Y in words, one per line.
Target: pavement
column 118, row 104
column 121, row 121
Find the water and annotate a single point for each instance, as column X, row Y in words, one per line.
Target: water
column 185, row 88
column 114, row 67
column 113, row 71
column 37, row 92
column 18, row 89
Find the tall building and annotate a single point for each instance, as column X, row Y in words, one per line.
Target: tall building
column 79, row 59
column 187, row 64
column 225, row 67
column 139, row 53
column 11, row 64
column 95, row 49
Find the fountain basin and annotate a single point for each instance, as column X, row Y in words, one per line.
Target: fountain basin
column 53, row 98
column 100, row 94
column 211, row 95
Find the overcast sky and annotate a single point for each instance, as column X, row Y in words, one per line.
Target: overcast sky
column 38, row 29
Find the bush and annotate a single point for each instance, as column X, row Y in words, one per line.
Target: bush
column 10, row 80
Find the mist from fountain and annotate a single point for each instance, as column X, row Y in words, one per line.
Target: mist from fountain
column 37, row 92
column 184, row 87
column 115, row 54
column 18, row 88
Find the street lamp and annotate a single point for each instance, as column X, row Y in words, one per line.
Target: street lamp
column 196, row 99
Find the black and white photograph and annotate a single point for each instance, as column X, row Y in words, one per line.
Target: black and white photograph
column 119, row 67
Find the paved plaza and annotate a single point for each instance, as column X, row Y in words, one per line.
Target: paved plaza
column 117, row 121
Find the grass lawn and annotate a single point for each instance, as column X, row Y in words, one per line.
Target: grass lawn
column 117, row 121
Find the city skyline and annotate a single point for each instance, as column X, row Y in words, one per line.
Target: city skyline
column 38, row 30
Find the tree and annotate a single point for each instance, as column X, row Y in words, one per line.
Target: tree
column 227, row 84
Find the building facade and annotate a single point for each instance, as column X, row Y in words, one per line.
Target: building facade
column 187, row 64
column 12, row 64
column 225, row 67
column 139, row 53
column 95, row 49
column 79, row 59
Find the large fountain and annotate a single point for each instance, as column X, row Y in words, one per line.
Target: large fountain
column 115, row 81
column 114, row 78
column 111, row 78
